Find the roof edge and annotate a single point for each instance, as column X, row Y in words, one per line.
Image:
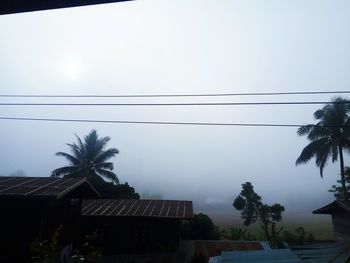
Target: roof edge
column 327, row 209
column 73, row 187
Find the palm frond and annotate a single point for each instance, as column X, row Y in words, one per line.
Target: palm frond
column 69, row 157
column 305, row 129
column 108, row 174
column 310, row 151
column 334, row 153
column 101, row 143
column 322, row 156
column 80, row 145
column 106, row 155
column 318, row 115
column 105, row 165
column 63, row 171
column 317, row 132
column 77, row 152
column 91, row 145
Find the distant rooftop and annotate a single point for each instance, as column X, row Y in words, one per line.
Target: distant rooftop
column 138, row 208
column 330, row 208
column 43, row 187
column 211, row 248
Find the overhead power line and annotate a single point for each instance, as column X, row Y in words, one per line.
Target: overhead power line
column 181, row 104
column 157, row 122
column 172, row 95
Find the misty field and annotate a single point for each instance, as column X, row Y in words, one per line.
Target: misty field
column 318, row 225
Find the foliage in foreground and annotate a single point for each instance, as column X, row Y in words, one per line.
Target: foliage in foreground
column 88, row 251
column 49, row 250
column 238, row 233
column 46, row 250
column 254, row 210
column 299, row 237
column 201, row 227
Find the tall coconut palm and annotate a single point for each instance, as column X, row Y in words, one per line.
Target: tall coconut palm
column 328, row 137
column 89, row 159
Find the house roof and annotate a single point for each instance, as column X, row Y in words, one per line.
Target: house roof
column 332, row 207
column 268, row 256
column 211, row 248
column 138, row 208
column 19, row 6
column 44, row 187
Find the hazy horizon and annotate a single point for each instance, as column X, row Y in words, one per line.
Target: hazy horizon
column 179, row 47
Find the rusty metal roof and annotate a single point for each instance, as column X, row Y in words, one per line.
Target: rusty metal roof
column 330, row 208
column 138, row 208
column 41, row 187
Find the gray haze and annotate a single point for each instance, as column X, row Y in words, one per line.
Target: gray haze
column 167, row 47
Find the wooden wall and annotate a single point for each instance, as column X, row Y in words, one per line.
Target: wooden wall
column 341, row 225
column 135, row 235
column 22, row 221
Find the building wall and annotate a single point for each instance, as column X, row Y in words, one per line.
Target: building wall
column 341, row 225
column 136, row 235
column 23, row 221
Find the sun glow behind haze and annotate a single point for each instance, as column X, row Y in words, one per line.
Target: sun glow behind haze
column 72, row 70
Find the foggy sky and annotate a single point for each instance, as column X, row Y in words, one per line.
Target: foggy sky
column 169, row 47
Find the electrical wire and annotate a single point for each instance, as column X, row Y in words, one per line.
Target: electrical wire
column 172, row 95
column 181, row 104
column 157, row 122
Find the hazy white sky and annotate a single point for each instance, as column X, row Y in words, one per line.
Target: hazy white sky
column 172, row 47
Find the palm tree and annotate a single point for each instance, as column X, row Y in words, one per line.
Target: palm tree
column 328, row 137
column 89, row 159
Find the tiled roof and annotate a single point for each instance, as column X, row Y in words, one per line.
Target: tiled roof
column 41, row 187
column 138, row 208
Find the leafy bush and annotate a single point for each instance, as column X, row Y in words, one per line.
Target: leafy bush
column 88, row 251
column 46, row 250
column 201, row 227
column 300, row 237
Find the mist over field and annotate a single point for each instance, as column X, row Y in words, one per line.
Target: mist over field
column 179, row 47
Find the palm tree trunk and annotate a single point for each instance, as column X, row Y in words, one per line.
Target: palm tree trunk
column 342, row 173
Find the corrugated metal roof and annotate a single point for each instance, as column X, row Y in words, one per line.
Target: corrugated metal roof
column 211, row 248
column 40, row 187
column 141, row 208
column 335, row 252
column 335, row 205
column 273, row 255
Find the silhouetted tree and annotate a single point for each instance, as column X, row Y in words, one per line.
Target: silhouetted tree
column 254, row 210
column 337, row 190
column 88, row 159
column 201, row 227
column 328, row 137
column 122, row 191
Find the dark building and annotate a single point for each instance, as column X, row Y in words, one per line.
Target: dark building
column 136, row 226
column 33, row 208
column 340, row 212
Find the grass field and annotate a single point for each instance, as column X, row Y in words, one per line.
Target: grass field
column 318, row 225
